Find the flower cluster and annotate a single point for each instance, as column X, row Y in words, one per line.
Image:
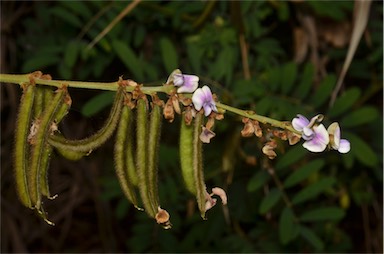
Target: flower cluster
column 201, row 98
column 317, row 138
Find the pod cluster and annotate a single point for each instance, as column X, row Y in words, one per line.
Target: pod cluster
column 135, row 117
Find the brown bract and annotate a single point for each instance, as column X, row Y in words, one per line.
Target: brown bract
column 268, row 149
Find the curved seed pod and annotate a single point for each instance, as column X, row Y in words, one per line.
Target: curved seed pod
column 21, row 145
column 142, row 156
column 89, row 144
column 70, row 154
column 45, row 159
column 46, row 155
column 198, row 172
column 122, row 137
column 38, row 147
column 186, row 155
column 153, row 151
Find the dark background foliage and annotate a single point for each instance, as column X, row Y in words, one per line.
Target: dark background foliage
column 275, row 57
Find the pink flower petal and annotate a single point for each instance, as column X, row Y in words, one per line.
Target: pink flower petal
column 319, row 141
column 345, row 146
column 300, row 122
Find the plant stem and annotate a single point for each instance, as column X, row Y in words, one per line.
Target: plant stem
column 254, row 116
column 112, row 86
column 109, row 86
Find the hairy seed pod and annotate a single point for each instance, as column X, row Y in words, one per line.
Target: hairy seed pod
column 89, row 144
column 45, row 159
column 122, row 138
column 21, row 145
column 198, row 172
column 153, row 151
column 39, row 147
column 186, row 154
column 142, row 155
column 38, row 104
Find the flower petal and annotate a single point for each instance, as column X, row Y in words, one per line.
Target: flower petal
column 190, row 83
column 307, row 133
column 207, row 109
column 345, row 146
column 198, row 99
column 334, row 135
column 300, row 122
column 221, row 193
column 319, row 141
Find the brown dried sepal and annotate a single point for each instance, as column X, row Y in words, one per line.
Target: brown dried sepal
column 189, row 114
column 162, row 218
column 268, row 149
column 206, row 135
column 34, row 75
column 283, row 135
column 169, row 112
column 251, row 127
column 293, row 138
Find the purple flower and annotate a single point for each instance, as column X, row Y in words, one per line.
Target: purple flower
column 186, row 83
column 319, row 139
column 202, row 98
column 315, row 134
column 341, row 145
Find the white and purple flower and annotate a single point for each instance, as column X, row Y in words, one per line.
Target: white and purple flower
column 341, row 145
column 186, row 83
column 317, row 138
column 202, row 98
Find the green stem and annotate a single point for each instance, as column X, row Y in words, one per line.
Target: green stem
column 254, row 116
column 110, row 86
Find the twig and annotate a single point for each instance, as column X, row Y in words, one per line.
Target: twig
column 122, row 14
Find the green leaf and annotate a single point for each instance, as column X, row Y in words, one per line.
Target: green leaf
column 360, row 116
column 67, row 16
column 312, row 238
column 263, row 106
column 128, row 57
column 97, row 103
column 194, row 56
column 274, row 78
column 344, row 102
column 324, row 91
column 313, row 190
column 288, row 227
column 269, row 200
column 362, row 151
column 304, row 172
column 78, row 7
column 321, row 214
column 258, row 180
column 71, row 53
column 39, row 62
column 289, row 73
column 293, row 155
column 306, row 81
column 169, row 54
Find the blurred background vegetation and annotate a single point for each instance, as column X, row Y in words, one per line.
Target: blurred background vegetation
column 278, row 58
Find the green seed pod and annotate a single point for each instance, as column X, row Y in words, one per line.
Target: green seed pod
column 38, row 104
column 89, row 144
column 21, row 144
column 44, row 183
column 198, row 165
column 186, row 155
column 39, row 147
column 191, row 158
column 142, row 156
column 122, row 138
column 153, row 151
column 70, row 154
